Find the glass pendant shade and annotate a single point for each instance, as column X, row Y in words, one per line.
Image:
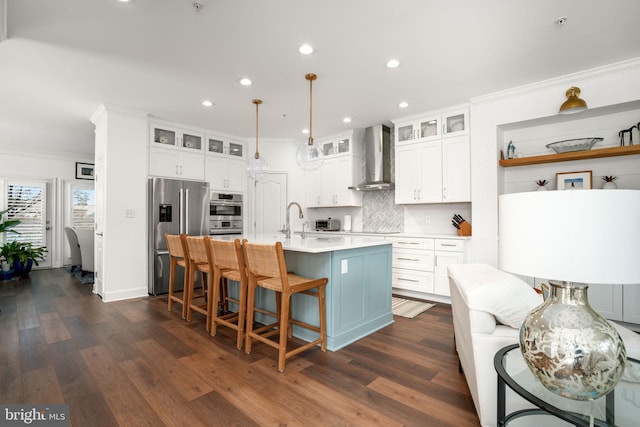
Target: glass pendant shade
column 257, row 167
column 573, row 104
column 309, row 155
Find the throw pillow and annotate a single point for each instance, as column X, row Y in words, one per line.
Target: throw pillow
column 502, row 294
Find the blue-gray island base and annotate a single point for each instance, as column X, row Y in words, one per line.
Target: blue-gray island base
column 358, row 293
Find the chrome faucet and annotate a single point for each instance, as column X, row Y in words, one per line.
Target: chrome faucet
column 287, row 228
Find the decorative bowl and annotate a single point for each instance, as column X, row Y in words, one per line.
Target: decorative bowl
column 568, row 145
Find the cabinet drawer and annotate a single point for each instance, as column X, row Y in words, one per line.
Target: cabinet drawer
column 452, row 245
column 419, row 281
column 414, row 259
column 401, row 243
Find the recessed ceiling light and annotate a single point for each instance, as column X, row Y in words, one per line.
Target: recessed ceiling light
column 403, row 104
column 207, row 103
column 125, row 1
column 245, row 81
column 393, row 63
column 347, row 120
column 305, row 49
column 305, row 131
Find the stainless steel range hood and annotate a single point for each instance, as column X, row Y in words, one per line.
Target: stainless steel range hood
column 377, row 157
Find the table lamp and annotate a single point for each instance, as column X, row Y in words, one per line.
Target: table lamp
column 572, row 238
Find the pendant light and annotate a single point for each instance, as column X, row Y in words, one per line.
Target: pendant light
column 256, row 166
column 309, row 155
column 573, row 104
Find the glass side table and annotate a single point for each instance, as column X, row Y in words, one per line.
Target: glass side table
column 621, row 407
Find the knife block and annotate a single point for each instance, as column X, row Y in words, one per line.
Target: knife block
column 465, row 229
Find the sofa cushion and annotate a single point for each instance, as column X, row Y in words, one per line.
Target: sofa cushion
column 497, row 292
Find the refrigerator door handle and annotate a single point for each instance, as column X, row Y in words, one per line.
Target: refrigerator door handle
column 181, row 213
column 186, row 211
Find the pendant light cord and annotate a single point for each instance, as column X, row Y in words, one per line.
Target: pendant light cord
column 311, row 77
column 257, row 102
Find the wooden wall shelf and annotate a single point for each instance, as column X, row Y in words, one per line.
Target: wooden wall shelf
column 576, row 155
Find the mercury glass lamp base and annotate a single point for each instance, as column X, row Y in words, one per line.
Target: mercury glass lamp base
column 569, row 347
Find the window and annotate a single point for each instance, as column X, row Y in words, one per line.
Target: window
column 83, row 208
column 27, row 204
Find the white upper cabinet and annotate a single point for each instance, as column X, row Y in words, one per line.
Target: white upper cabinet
column 176, row 153
column 226, row 174
column 433, row 160
column 225, row 147
column 225, row 165
column 171, row 137
column 342, row 168
column 423, row 129
column 432, row 126
column 455, row 122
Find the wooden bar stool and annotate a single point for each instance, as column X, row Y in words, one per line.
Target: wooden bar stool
column 227, row 263
column 268, row 261
column 196, row 252
column 176, row 258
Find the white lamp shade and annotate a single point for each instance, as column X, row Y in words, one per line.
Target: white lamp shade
column 584, row 236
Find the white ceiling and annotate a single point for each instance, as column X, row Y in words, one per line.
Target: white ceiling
column 63, row 58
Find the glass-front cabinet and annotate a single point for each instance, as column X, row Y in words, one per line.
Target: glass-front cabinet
column 455, row 122
column 432, row 126
column 225, row 147
column 341, row 144
column 171, row 137
column 424, row 129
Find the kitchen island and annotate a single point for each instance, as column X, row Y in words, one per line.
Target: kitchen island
column 358, row 300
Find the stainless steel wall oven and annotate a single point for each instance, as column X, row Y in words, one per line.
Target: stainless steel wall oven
column 225, row 213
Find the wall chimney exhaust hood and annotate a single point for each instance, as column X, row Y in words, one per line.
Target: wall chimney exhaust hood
column 377, row 157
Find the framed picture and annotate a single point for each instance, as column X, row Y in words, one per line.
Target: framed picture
column 84, row 170
column 574, row 180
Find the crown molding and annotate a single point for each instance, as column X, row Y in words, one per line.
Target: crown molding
column 568, row 79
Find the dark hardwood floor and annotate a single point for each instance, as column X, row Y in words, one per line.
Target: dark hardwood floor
column 134, row 363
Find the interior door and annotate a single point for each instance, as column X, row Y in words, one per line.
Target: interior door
column 271, row 203
column 26, row 200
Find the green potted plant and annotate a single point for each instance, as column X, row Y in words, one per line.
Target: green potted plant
column 6, row 270
column 22, row 255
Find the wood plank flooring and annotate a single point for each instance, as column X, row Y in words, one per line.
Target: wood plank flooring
column 133, row 363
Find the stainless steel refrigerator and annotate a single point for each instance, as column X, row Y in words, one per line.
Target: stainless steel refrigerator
column 175, row 207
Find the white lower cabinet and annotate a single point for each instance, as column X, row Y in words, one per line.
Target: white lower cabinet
column 448, row 251
column 412, row 265
column 172, row 163
column 616, row 302
column 420, row 264
column 631, row 304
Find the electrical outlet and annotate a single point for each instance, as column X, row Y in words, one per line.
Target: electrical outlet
column 427, row 219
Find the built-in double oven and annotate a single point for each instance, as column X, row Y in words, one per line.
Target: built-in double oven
column 225, row 213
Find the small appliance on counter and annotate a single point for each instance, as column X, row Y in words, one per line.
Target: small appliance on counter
column 329, row 224
column 346, row 223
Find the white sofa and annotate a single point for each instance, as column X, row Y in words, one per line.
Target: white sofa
column 488, row 306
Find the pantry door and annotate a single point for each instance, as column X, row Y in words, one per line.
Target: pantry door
column 271, row 203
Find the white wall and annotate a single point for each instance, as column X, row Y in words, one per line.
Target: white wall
column 56, row 169
column 600, row 87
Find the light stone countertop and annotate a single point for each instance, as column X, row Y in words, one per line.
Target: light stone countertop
column 315, row 243
column 390, row 234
